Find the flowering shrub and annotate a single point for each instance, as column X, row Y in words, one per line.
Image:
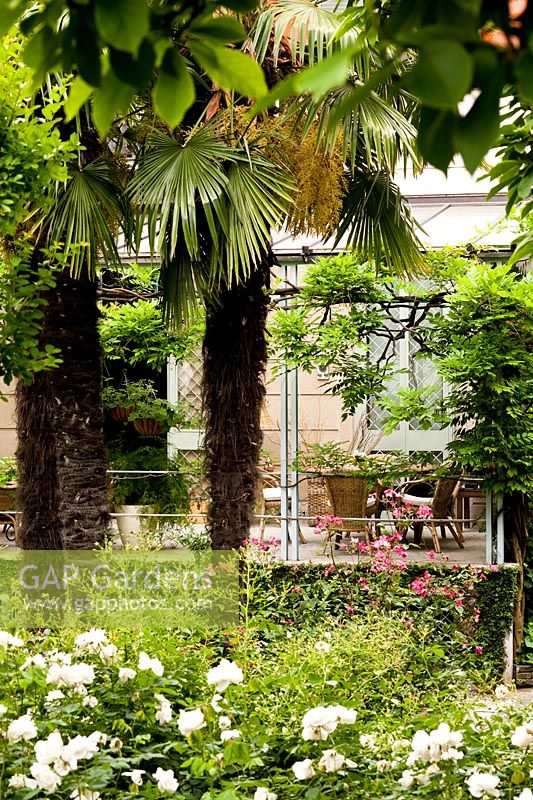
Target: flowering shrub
column 103, row 718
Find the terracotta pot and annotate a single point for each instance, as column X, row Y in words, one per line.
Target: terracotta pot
column 148, row 427
column 121, row 413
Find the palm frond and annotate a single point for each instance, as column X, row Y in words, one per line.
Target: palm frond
column 173, row 179
column 87, row 213
column 370, row 126
column 308, row 28
column 259, row 196
column 209, row 209
column 378, row 223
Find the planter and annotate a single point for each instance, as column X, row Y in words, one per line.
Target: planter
column 131, row 525
column 122, row 413
column 186, row 438
column 148, row 427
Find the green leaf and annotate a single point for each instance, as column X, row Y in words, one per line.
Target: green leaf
column 111, row 98
column 134, row 71
column 326, row 75
column 442, row 75
column 122, row 23
column 88, row 57
column 78, row 95
column 524, row 73
column 174, row 91
column 525, row 186
column 223, row 30
column 435, row 137
column 477, row 132
column 42, row 51
column 231, row 69
column 8, row 17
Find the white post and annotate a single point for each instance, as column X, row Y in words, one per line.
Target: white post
column 488, row 529
column 284, row 454
column 500, row 531
column 294, row 529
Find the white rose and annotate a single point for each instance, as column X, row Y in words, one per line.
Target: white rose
column 19, row 781
column 78, row 748
column 54, row 696
column 483, row 783
column 226, row 736
column 322, row 647
column 164, row 714
column 319, row 722
column 89, row 701
column 115, row 744
column 34, row 661
column 224, row 723
column 525, row 794
column 45, row 777
column 223, row 674
column 166, row 782
column 70, row 674
column 90, row 641
column 150, row 664
column 7, row 640
column 345, row 716
column 108, row 653
column 136, row 776
column 407, row 779
column 49, row 749
column 84, row 793
column 189, row 721
column 215, row 703
column 523, row 735
column 262, row 793
column 303, row 770
column 125, row 674
column 367, row 740
column 331, row 761
column 22, row 728
column 3, row 709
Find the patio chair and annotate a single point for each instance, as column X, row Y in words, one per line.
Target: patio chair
column 8, row 516
column 349, row 497
column 269, row 492
column 442, row 504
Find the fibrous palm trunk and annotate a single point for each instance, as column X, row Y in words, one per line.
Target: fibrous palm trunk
column 234, row 364
column 63, row 488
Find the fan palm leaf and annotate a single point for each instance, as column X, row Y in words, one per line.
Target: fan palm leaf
column 370, row 126
column 376, row 221
column 310, row 30
column 86, row 216
column 209, row 207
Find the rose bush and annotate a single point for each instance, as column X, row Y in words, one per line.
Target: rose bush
column 205, row 716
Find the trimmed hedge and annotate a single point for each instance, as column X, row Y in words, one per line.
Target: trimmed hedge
column 468, row 608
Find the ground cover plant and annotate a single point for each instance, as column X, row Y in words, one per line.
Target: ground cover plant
column 367, row 704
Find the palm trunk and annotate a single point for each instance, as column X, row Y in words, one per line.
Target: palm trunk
column 63, row 487
column 234, row 364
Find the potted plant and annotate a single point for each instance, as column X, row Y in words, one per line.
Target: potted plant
column 137, row 402
column 165, row 491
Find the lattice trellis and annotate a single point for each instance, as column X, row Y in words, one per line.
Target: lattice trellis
column 189, row 384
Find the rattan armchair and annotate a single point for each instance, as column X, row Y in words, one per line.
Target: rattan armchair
column 442, row 505
column 348, row 497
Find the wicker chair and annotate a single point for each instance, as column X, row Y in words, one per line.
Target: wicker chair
column 8, row 517
column 269, row 491
column 348, row 497
column 442, row 505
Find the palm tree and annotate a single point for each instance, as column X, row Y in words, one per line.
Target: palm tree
column 61, row 450
column 215, row 205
